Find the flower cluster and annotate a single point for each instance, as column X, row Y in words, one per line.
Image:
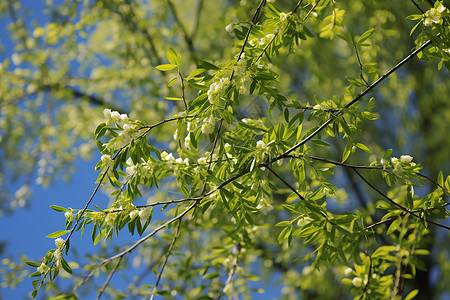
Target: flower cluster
column 215, row 88
column 396, row 163
column 43, row 268
column 262, row 41
column 115, row 116
column 209, row 126
column 434, row 15
column 107, row 160
column 168, row 157
column 283, row 17
column 357, row 281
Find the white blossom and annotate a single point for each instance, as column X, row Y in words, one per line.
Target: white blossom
column 357, row 281
column 69, row 216
column 229, row 28
column 145, row 214
column 59, row 242
column 406, row 158
column 303, row 221
column 57, row 255
column 202, row 161
column 175, row 135
column 107, row 113
column 43, row 268
column 260, row 145
column 115, row 116
column 227, row 147
column 283, row 17
column 209, row 126
column 434, row 15
column 167, row 156
column 187, row 141
column 130, row 170
column 348, row 271
column 133, row 214
column 106, row 160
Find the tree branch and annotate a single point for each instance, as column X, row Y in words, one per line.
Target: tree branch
column 109, row 278
column 366, row 91
column 175, row 236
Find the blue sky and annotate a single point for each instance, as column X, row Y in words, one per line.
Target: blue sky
column 25, row 230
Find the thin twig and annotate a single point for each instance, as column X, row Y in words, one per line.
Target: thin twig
column 285, row 182
column 379, row 223
column 138, row 242
column 418, row 7
column 366, row 91
column 109, row 278
column 398, row 205
column 361, row 75
column 175, row 236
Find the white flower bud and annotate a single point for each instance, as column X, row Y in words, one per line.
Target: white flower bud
column 406, row 158
column 107, row 113
column 357, row 282
column 59, row 242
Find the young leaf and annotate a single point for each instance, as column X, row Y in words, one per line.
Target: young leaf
column 166, row 67
column 57, row 234
column 172, row 56
column 394, row 225
column 365, row 36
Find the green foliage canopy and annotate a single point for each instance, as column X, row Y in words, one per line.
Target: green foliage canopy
column 271, row 142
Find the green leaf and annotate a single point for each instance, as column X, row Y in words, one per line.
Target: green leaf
column 172, row 81
column 172, row 56
column 196, row 72
column 387, row 154
column 57, row 234
column 32, row 263
column 365, row 36
column 166, row 67
column 363, row 147
column 320, row 143
column 441, row 179
column 285, row 233
column 347, row 151
column 207, row 65
column 394, row 225
column 66, row 266
column 412, row 294
column 59, row 208
column 174, row 98
column 283, row 223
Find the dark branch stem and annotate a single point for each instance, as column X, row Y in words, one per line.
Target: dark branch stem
column 366, row 91
column 285, row 182
column 398, row 205
column 109, row 278
column 166, row 258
